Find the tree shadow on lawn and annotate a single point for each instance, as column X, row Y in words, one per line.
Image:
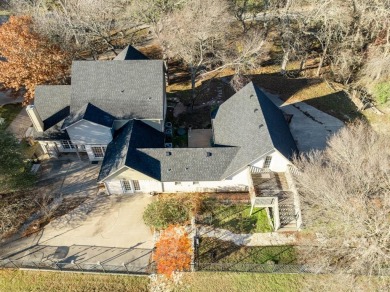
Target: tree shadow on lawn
column 314, row 92
column 214, row 250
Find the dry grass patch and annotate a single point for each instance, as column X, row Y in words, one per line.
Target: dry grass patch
column 16, row 281
column 380, row 123
column 237, row 282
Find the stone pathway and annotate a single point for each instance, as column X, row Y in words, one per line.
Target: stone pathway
column 255, row 239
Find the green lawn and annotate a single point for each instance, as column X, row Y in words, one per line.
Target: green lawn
column 213, row 250
column 9, row 112
column 236, row 217
column 17, row 281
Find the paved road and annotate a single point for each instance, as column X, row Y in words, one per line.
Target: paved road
column 309, row 126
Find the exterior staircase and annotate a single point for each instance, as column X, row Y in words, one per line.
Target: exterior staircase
column 274, row 184
column 287, row 217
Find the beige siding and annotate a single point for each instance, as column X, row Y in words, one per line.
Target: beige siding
column 130, row 174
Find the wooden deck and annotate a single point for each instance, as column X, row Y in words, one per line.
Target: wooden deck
column 274, row 184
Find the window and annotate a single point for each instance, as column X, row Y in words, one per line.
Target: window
column 136, row 185
column 67, row 144
column 126, row 185
column 98, row 152
column 267, row 162
column 81, row 147
column 177, row 183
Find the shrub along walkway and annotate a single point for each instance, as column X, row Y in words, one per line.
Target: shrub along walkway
column 255, row 239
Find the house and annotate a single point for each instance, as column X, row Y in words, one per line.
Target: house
column 115, row 111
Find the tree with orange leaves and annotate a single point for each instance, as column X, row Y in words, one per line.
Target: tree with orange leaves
column 173, row 251
column 30, row 59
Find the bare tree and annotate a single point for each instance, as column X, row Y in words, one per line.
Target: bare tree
column 245, row 11
column 194, row 33
column 83, row 24
column 345, row 193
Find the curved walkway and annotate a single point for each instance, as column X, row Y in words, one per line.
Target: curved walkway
column 255, row 239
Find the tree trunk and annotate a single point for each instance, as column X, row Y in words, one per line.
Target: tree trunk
column 322, row 58
column 193, row 93
column 302, row 66
column 285, row 61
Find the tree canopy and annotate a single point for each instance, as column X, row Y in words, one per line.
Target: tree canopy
column 14, row 171
column 173, row 251
column 345, row 193
column 162, row 213
column 30, row 60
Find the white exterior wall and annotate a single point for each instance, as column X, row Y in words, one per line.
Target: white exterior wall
column 238, row 183
column 54, row 147
column 89, row 151
column 278, row 163
column 115, row 187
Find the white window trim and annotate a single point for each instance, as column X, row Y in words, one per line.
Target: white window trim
column 125, row 183
column 267, row 162
column 101, row 151
column 67, row 144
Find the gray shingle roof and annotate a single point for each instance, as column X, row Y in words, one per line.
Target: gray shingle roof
column 140, row 147
column 124, row 89
column 130, row 53
column 134, row 134
column 251, row 121
column 52, row 103
column 90, row 113
column 185, row 164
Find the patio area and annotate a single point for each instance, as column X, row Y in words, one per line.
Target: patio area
column 200, row 138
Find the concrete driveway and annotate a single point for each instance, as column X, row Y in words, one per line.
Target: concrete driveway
column 309, row 126
column 113, row 221
column 104, row 229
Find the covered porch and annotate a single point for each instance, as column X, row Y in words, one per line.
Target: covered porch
column 276, row 192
